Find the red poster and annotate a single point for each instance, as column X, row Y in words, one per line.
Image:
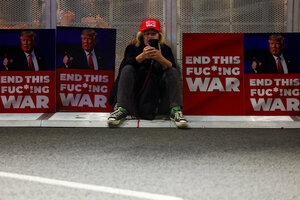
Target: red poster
column 27, row 91
column 212, row 73
column 272, row 94
column 84, row 90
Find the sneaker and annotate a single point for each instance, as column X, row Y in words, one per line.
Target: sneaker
column 178, row 119
column 117, row 116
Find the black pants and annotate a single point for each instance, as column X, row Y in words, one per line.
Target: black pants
column 159, row 95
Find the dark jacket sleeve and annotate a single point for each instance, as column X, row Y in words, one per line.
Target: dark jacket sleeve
column 41, row 60
column 101, row 62
column 269, row 66
column 131, row 52
column 167, row 53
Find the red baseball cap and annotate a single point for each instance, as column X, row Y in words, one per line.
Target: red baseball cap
column 150, row 24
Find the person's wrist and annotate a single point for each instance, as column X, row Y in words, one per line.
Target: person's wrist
column 140, row 58
column 143, row 56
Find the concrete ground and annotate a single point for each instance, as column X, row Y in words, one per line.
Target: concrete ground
column 39, row 163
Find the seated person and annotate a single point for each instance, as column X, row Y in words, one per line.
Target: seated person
column 148, row 82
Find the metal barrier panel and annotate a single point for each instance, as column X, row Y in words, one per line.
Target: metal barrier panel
column 206, row 16
column 22, row 14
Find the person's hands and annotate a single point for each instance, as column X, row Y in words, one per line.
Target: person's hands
column 152, row 53
column 7, row 61
column 255, row 64
column 155, row 54
column 66, row 59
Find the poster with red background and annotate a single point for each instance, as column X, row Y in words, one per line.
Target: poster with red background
column 276, row 94
column 84, row 90
column 79, row 87
column 26, row 89
column 212, row 73
column 27, row 92
column 267, row 92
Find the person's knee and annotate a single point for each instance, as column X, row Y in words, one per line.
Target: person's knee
column 127, row 73
column 172, row 71
column 128, row 69
column 171, row 74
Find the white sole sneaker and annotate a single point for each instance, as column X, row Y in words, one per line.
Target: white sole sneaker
column 180, row 124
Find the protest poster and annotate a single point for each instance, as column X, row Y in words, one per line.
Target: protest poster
column 27, row 75
column 212, row 73
column 272, row 88
column 27, row 92
column 85, row 60
column 84, row 90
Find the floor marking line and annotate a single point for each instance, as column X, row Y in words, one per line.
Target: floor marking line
column 104, row 189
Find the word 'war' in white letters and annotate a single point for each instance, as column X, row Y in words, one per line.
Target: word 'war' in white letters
column 211, row 84
column 25, row 101
column 270, row 104
column 81, row 100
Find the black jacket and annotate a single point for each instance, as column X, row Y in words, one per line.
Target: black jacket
column 146, row 99
column 268, row 64
column 19, row 61
column 80, row 61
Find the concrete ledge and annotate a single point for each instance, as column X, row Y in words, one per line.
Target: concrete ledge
column 20, row 119
column 92, row 119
